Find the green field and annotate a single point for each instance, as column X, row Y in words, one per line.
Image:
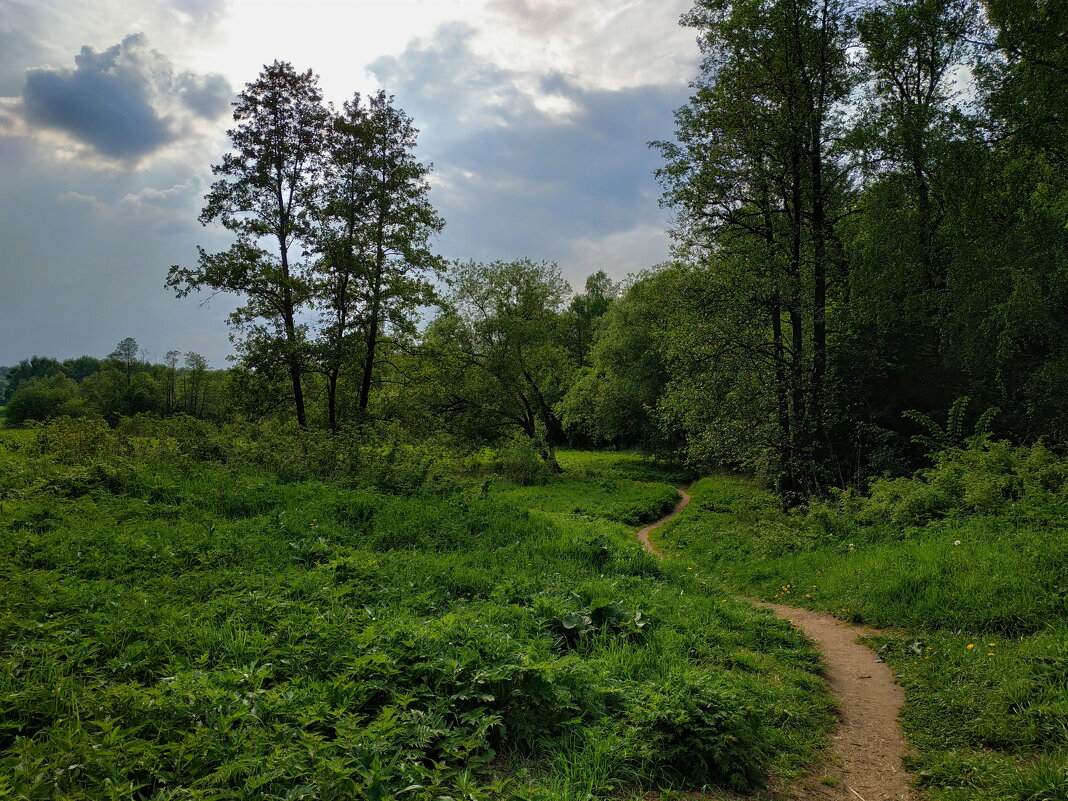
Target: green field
column 968, row 563
column 189, row 613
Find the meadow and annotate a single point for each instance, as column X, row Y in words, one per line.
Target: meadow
column 965, row 564
column 194, row 612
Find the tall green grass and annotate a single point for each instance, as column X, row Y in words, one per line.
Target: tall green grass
column 189, row 613
column 970, row 558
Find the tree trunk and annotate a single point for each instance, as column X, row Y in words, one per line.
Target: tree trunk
column 372, row 331
column 292, row 358
column 331, row 398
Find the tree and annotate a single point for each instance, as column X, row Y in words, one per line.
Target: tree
column 614, row 398
column 265, row 196
column 375, row 227
column 758, row 190
column 125, row 356
column 195, row 373
column 44, row 398
column 28, row 369
column 493, row 357
column 584, row 311
column 170, row 361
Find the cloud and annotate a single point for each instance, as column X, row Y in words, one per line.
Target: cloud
column 535, row 165
column 607, row 44
column 123, row 103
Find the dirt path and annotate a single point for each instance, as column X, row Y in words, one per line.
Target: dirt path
column 643, row 535
column 866, row 750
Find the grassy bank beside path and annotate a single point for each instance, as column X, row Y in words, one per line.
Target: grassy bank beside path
column 968, row 562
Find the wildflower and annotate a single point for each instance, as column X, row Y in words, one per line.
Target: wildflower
column 989, row 653
column 956, row 542
column 992, row 644
column 689, row 568
column 971, row 645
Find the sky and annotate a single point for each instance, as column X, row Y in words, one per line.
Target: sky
column 536, row 115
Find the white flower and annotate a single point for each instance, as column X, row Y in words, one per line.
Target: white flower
column 956, row 542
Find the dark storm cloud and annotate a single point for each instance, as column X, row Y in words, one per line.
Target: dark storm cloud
column 531, row 169
column 125, row 102
column 106, row 102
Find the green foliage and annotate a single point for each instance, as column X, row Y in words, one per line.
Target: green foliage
column 493, row 363
column 952, row 435
column 970, row 557
column 43, row 399
column 612, row 400
column 211, row 616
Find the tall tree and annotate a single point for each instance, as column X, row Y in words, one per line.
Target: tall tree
column 125, row 356
column 374, row 239
column 265, row 194
column 584, row 312
column 757, row 187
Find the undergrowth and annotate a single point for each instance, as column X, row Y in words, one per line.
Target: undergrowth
column 970, row 559
column 261, row 613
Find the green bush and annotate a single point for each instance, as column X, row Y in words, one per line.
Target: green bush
column 694, row 729
column 43, row 399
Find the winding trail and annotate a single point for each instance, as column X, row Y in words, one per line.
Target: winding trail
column 865, row 754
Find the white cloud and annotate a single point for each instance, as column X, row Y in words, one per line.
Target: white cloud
column 618, row 253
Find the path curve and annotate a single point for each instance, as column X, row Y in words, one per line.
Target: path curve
column 867, row 749
column 643, row 535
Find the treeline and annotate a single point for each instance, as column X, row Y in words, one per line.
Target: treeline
column 121, row 385
column 871, row 227
column 872, row 218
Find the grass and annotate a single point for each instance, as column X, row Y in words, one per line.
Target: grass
column 196, row 614
column 970, row 560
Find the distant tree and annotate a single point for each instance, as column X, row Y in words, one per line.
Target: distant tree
column 265, row 195
column 82, row 367
column 584, row 311
column 195, row 374
column 170, row 362
column 27, row 369
column 43, row 399
column 614, row 398
column 125, row 356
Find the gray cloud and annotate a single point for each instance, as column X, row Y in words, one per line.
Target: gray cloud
column 124, row 102
column 536, row 16
column 85, row 255
column 207, row 96
column 544, row 168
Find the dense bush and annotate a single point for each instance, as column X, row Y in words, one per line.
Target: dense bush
column 43, row 399
column 970, row 556
column 259, row 612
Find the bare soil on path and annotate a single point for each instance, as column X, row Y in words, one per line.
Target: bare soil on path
column 865, row 755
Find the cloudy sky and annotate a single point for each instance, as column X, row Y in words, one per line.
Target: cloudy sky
column 535, row 113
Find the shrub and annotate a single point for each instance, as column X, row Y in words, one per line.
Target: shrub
column 43, row 399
